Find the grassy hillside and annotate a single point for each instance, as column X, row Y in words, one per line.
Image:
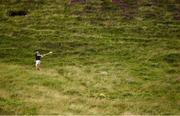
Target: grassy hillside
column 108, row 59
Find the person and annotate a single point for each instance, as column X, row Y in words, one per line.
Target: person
column 38, row 57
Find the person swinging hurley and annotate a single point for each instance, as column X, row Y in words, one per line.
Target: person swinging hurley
column 38, row 57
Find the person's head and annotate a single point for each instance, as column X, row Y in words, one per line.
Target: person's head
column 37, row 52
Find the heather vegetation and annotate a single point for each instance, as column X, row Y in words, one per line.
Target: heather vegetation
column 109, row 57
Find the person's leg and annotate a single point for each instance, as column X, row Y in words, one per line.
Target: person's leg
column 38, row 65
column 38, row 68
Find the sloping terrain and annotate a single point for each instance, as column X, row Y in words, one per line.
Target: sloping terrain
column 121, row 58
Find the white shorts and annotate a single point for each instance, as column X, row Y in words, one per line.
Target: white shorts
column 38, row 62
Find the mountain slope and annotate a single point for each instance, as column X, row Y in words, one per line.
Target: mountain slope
column 108, row 59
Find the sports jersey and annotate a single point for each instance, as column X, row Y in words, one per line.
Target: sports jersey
column 38, row 56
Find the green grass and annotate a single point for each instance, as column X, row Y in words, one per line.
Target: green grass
column 102, row 63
